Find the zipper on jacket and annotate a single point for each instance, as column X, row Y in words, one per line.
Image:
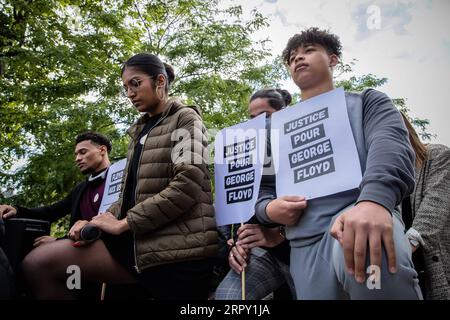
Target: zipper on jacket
column 135, row 191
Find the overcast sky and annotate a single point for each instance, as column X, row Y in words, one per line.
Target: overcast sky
column 407, row 42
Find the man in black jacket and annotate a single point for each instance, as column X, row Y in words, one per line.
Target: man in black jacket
column 83, row 202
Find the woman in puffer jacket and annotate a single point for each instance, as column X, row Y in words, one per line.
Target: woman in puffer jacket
column 161, row 232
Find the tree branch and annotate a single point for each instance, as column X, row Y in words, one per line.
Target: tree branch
column 169, row 25
column 144, row 22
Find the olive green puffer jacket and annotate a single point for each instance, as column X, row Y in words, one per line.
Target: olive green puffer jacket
column 173, row 219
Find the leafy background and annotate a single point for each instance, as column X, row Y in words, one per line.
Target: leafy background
column 60, row 66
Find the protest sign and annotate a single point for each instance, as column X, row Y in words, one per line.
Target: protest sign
column 238, row 164
column 112, row 185
column 314, row 149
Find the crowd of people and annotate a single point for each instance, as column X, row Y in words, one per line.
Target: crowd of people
column 161, row 234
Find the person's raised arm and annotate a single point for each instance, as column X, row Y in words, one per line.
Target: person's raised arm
column 49, row 213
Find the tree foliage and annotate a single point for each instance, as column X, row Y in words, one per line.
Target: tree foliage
column 60, row 66
column 60, row 75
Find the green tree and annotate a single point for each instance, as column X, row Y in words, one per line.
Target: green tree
column 60, row 66
column 55, row 56
column 218, row 65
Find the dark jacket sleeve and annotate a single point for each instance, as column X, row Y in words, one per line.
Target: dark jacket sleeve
column 267, row 193
column 49, row 213
column 389, row 175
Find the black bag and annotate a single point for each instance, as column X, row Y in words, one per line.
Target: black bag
column 418, row 257
column 20, row 234
column 6, row 274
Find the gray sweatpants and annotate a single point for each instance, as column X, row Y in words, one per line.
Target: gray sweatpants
column 318, row 271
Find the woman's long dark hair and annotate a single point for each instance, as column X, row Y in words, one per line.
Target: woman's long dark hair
column 419, row 148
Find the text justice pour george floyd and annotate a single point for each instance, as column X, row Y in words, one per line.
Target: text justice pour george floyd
column 296, row 159
column 238, row 164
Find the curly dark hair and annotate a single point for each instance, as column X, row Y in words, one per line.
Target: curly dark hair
column 329, row 41
column 96, row 138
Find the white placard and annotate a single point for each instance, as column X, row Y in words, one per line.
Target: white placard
column 238, row 164
column 112, row 185
column 313, row 148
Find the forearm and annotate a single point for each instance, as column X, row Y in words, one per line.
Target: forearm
column 123, row 226
column 43, row 213
column 274, row 236
column 267, row 193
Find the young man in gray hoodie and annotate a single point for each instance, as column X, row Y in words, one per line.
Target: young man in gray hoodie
column 349, row 245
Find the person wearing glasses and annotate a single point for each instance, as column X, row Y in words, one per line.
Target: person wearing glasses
column 161, row 232
column 262, row 251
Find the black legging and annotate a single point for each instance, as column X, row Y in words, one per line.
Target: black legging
column 45, row 268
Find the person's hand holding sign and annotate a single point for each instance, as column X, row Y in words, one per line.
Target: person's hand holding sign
column 286, row 210
column 255, row 235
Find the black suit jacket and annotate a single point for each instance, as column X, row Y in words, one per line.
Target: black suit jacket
column 69, row 205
